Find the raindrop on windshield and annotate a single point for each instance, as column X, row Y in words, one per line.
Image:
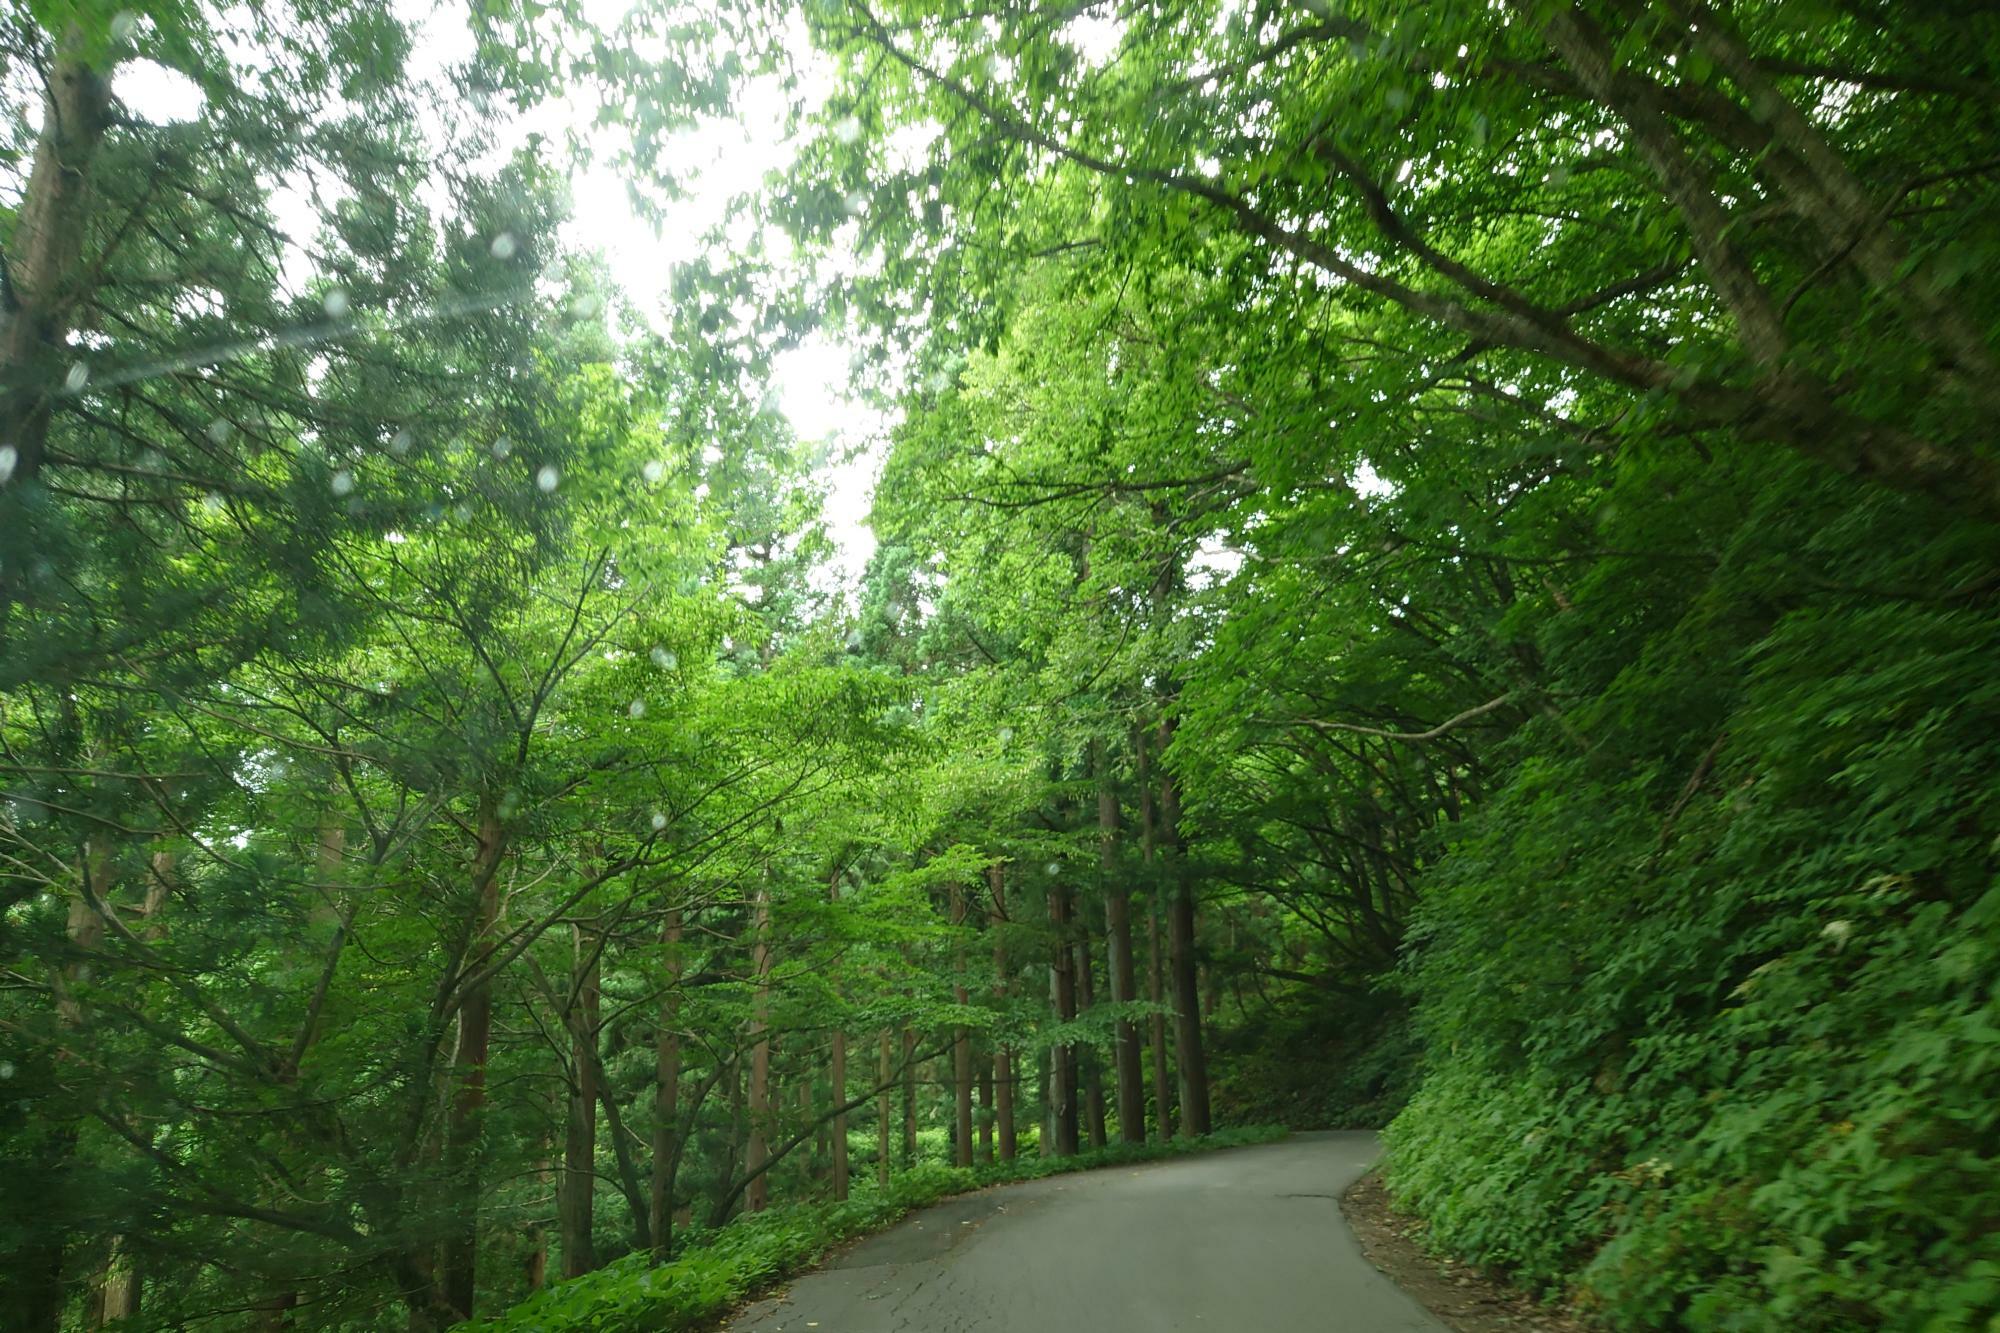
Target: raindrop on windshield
column 546, row 479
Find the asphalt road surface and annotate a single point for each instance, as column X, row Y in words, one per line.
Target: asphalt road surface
column 1244, row 1241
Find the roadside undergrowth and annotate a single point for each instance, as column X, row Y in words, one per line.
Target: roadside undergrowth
column 710, row 1278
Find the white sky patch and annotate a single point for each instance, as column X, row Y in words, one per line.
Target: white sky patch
column 1095, row 34
column 1213, row 562
column 817, row 390
column 1368, row 483
column 156, row 94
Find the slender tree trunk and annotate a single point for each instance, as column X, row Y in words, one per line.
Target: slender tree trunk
column 475, row 1032
column 985, row 1110
column 909, row 1097
column 1181, row 945
column 576, row 1192
column 1156, row 1026
column 1045, row 1142
column 739, row 1132
column 1092, row 1066
column 1003, row 1056
column 961, row 1050
column 1118, row 953
column 667, row 1093
column 537, row 1261
column 759, row 1193
column 886, row 1070
column 838, row 1077
column 815, row 1162
column 1163, row 1083
column 1062, row 993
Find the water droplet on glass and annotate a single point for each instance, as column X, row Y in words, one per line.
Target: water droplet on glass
column 653, row 471
column 219, row 431
column 10, row 458
column 335, row 303
column 399, row 444
column 659, row 821
column 856, row 203
column 212, row 502
column 79, row 375
column 124, row 25
column 663, row 659
column 584, row 305
column 502, row 447
column 1006, row 734
column 1053, row 868
column 848, row 129
column 343, row 482
column 854, row 640
column 546, row 479
column 637, row 708
column 504, row 245
column 462, row 512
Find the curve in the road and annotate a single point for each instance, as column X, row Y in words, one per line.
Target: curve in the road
column 1245, row 1241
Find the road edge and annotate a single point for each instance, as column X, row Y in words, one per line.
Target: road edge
column 1463, row 1298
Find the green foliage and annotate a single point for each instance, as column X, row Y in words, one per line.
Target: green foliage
column 717, row 1271
column 1736, row 1063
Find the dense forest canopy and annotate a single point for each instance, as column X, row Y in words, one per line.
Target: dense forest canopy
column 1433, row 566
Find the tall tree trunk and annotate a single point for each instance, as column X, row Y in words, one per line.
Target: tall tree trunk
column 1163, row 1083
column 1118, row 952
column 885, row 1073
column 667, row 1093
column 739, row 1134
column 537, row 1262
column 985, row 1110
column 838, row 1077
column 1003, row 1056
column 45, row 290
column 818, row 1152
column 1062, row 994
column 1045, row 1141
column 909, row 1096
column 759, row 1193
column 1091, row 1065
column 465, row 1122
column 961, row 1050
column 1180, row 942
column 1156, row 1026
column 576, row 1191
column 116, row 1288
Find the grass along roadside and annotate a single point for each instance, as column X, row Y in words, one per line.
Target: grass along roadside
column 707, row 1280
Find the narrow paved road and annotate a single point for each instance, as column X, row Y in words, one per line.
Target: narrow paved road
column 1245, row 1241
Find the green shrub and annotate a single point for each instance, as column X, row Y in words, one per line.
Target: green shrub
column 1731, row 1061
